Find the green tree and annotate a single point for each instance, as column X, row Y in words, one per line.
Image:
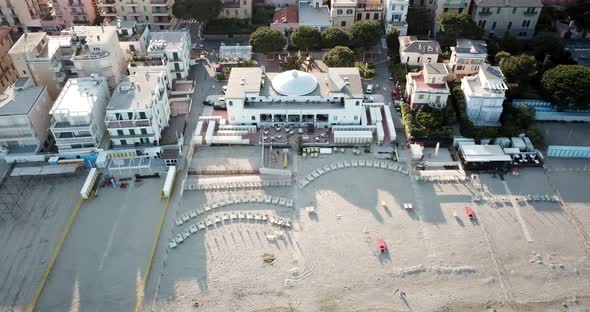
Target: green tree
column 292, row 62
column 392, row 39
column 339, row 57
column 501, row 56
column 365, row 34
column 546, row 43
column 202, row 10
column 334, row 36
column 266, row 39
column 458, row 25
column 519, row 68
column 568, row 84
column 510, row 44
column 306, row 37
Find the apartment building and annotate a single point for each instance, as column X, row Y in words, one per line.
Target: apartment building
column 241, row 9
column 442, row 6
column 174, row 47
column 46, row 59
column 156, row 13
column 133, row 38
column 417, row 52
column 74, row 12
column 22, row 14
column 24, row 117
column 139, row 110
column 372, row 10
column 343, row 13
column 97, row 51
column 8, row 74
column 78, row 114
column 396, row 13
column 484, row 95
column 467, row 56
column 498, row 17
column 428, row 87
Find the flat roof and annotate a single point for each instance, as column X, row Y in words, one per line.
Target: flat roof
column 244, row 80
column 173, row 40
column 309, row 15
column 508, row 3
column 79, row 95
column 471, row 46
column 93, row 34
column 135, row 91
column 19, row 102
column 27, row 42
column 483, row 153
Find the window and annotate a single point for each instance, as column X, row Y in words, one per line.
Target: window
column 339, row 12
column 142, row 115
column 375, row 16
column 514, row 11
column 418, row 60
column 498, row 10
column 226, row 12
column 253, row 118
column 343, row 24
column 437, row 99
column 231, row 103
column 460, row 11
column 493, row 25
column 393, row 7
column 356, row 117
column 245, row 2
column 120, row 132
column 143, row 130
column 446, row 10
column 357, row 103
column 245, row 12
column 509, row 25
column 131, row 131
column 368, row 16
column 349, row 11
column 421, row 96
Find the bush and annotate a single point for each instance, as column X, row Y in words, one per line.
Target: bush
column 262, row 14
column 366, row 71
column 425, row 123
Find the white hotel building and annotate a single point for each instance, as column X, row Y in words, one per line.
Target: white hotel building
column 484, row 95
column 139, row 110
column 295, row 97
column 78, row 114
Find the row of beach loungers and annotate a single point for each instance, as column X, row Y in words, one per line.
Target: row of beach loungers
column 227, row 217
column 236, row 185
column 274, row 200
column 348, row 164
column 524, row 198
column 441, row 178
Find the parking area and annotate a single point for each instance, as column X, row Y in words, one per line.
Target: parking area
column 102, row 261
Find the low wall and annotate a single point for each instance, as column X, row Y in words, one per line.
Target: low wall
column 272, row 171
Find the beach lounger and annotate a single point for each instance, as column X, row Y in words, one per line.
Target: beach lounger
column 201, row 225
column 208, row 222
column 249, row 216
column 260, row 199
column 347, row 164
column 207, row 207
column 178, row 221
column 264, row 217
column 193, row 228
column 192, row 214
column 340, row 164
column 238, row 200
column 186, row 233
column 354, row 163
column 267, row 199
column 241, row 215
column 179, row 238
column 282, row 201
column 225, row 217
column 327, row 168
column 275, row 200
column 185, row 217
column 217, row 219
column 257, row 216
column 334, row 166
column 375, row 164
column 290, row 203
column 287, row 224
column 172, row 244
column 273, row 220
column 383, row 165
column 315, row 174
column 200, row 211
column 362, row 163
column 233, row 215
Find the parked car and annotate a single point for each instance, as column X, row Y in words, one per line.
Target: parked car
column 391, row 77
column 369, row 89
column 224, row 89
column 469, row 213
column 381, row 246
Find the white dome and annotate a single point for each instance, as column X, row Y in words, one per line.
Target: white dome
column 294, row 83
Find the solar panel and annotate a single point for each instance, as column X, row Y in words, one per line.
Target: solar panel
column 495, row 72
column 338, row 81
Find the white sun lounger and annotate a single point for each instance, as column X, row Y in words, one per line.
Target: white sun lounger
column 207, row 207
column 290, row 203
column 217, row 219
column 273, row 220
column 340, row 164
column 309, row 178
column 172, row 244
column 362, row 163
column 233, row 215
column 264, row 217
column 179, row 238
column 200, row 211
column 287, row 224
column 185, row 217
column 334, row 166
column 178, row 221
column 354, row 163
column 193, row 228
column 267, row 199
column 347, row 164
column 201, row 225
column 257, row 216
column 327, row 168
column 320, row 171
column 241, row 215
column 249, row 216
column 208, row 222
column 192, row 214
column 282, row 201
column 375, row 164
column 383, row 165
column 315, row 174
column 225, row 217
column 275, row 200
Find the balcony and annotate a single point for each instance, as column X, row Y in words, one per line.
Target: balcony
column 132, row 3
column 455, row 4
column 163, row 21
column 160, row 2
column 113, row 124
column 66, row 126
column 74, row 140
column 110, row 12
column 105, row 3
column 530, row 13
column 56, row 67
column 159, row 12
column 485, row 13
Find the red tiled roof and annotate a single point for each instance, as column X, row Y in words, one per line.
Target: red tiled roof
column 289, row 14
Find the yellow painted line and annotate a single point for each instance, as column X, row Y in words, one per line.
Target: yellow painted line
column 56, row 251
column 146, row 275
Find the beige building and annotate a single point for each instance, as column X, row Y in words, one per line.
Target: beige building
column 73, row 12
column 24, row 117
column 8, row 73
column 466, row 57
column 343, row 13
column 497, row 17
column 370, row 10
column 156, row 13
column 241, row 9
column 22, row 14
column 442, row 6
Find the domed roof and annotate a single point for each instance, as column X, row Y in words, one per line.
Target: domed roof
column 294, row 83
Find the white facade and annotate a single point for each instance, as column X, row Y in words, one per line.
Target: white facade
column 78, row 114
column 97, row 51
column 139, row 110
column 24, row 117
column 484, row 95
column 443, row 6
column 396, row 13
column 175, row 47
column 133, row 38
column 156, row 13
column 467, row 56
column 294, row 97
column 497, row 17
column 428, row 87
column 418, row 52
